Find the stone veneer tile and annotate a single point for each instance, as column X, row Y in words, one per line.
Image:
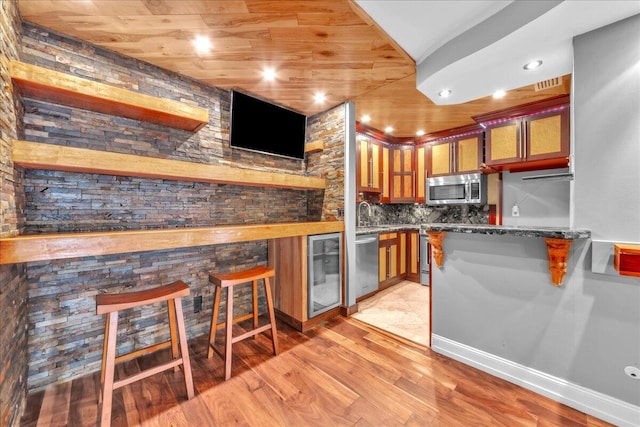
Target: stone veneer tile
column 13, row 289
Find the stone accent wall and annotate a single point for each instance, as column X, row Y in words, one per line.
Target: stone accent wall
column 13, row 288
column 70, row 202
column 328, row 127
column 64, row 332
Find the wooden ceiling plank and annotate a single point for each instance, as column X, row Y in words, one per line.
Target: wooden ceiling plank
column 132, row 24
column 251, row 21
column 194, row 7
column 30, row 8
column 300, row 6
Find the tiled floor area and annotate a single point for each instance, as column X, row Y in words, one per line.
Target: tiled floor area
column 402, row 309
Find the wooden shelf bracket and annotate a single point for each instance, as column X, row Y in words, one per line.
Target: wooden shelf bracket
column 436, row 239
column 558, row 250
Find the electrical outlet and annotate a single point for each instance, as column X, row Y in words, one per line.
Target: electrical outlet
column 515, row 210
column 197, row 304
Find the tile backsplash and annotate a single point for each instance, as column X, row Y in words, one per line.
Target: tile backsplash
column 380, row 214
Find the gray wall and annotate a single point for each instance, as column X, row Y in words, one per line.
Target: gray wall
column 544, row 203
column 494, row 293
column 607, row 201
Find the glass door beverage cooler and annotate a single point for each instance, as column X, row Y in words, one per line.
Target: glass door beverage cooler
column 324, row 272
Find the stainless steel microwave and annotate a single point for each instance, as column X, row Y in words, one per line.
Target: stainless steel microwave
column 461, row 189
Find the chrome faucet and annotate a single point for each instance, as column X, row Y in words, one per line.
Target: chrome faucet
column 368, row 211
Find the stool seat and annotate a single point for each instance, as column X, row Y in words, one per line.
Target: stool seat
column 238, row 277
column 111, row 304
column 228, row 281
column 106, row 303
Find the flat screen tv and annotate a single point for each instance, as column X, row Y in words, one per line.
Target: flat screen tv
column 261, row 126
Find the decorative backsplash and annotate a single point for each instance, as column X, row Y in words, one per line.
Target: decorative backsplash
column 419, row 214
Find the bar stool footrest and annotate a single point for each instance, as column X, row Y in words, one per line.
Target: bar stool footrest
column 251, row 333
column 146, row 373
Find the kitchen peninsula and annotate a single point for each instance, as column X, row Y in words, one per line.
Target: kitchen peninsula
column 558, row 241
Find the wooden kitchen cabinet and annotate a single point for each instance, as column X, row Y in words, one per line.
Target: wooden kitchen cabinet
column 462, row 154
column 388, row 254
column 402, row 254
column 413, row 256
column 402, row 174
column 421, row 172
column 385, row 195
column 368, row 165
column 531, row 140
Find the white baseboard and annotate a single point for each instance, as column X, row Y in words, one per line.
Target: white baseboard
column 583, row 399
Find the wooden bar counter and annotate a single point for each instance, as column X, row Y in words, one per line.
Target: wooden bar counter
column 42, row 247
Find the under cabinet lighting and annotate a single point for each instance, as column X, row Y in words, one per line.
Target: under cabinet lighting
column 533, row 64
column 444, row 93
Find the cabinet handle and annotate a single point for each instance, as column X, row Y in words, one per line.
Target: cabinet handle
column 370, row 172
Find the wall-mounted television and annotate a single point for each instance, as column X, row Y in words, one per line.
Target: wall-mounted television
column 258, row 125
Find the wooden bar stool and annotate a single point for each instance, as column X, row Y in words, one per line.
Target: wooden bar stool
column 110, row 304
column 228, row 281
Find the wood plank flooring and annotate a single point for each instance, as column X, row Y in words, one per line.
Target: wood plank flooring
column 342, row 373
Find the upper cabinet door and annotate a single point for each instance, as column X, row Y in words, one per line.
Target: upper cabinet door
column 402, row 174
column 503, row 143
column 421, row 172
column 368, row 165
column 441, row 159
column 548, row 135
column 385, row 196
column 468, row 154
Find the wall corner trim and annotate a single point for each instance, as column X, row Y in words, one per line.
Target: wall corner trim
column 581, row 398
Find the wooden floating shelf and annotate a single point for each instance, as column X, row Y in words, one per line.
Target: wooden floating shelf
column 314, row 147
column 65, row 89
column 45, row 247
column 34, row 155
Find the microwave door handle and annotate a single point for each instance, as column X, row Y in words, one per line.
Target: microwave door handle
column 467, row 190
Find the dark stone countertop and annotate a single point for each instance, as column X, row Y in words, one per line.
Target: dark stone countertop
column 386, row 228
column 507, row 230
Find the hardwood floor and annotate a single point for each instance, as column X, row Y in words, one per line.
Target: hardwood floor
column 340, row 373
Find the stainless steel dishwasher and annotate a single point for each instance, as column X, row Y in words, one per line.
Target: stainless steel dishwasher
column 366, row 264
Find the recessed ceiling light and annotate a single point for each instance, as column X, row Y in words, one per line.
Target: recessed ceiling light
column 533, row 64
column 499, row 94
column 269, row 74
column 319, row 97
column 420, row 132
column 444, row 93
column 202, row 44
column 365, row 119
column 388, row 129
